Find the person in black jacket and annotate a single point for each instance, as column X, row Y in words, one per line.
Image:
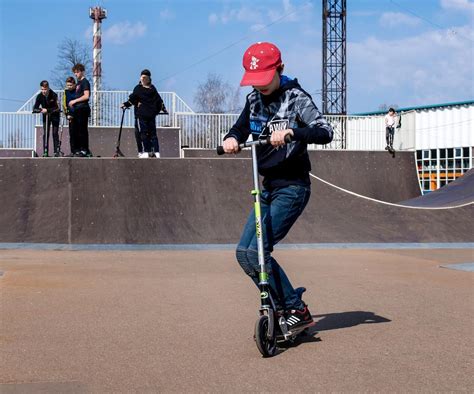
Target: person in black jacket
column 47, row 103
column 82, row 111
column 277, row 107
column 148, row 103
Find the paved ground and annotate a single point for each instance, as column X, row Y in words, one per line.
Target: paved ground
column 182, row 321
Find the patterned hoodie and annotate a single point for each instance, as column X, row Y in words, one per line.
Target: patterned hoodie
column 289, row 107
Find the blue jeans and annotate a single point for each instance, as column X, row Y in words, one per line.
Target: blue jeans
column 280, row 208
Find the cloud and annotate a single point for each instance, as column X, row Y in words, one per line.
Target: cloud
column 243, row 14
column 432, row 67
column 461, row 5
column 262, row 15
column 124, row 32
column 397, row 19
column 213, row 18
column 166, row 14
column 258, row 27
column 288, row 11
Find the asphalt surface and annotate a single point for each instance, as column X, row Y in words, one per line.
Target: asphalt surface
column 182, row 321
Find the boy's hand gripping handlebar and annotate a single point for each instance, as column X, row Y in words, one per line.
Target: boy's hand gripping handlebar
column 248, row 144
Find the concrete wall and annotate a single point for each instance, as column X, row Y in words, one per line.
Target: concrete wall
column 181, row 201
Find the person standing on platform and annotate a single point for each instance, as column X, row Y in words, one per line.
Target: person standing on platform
column 46, row 103
column 390, row 124
column 147, row 104
column 82, row 110
column 70, row 94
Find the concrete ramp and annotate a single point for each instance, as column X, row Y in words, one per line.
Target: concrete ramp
column 207, row 200
column 456, row 193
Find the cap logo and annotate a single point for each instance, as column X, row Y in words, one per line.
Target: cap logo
column 253, row 63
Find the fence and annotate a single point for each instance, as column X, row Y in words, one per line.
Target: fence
column 206, row 130
column 449, row 125
column 203, row 130
column 17, row 130
column 362, row 132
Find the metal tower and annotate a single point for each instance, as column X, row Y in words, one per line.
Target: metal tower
column 97, row 14
column 334, row 64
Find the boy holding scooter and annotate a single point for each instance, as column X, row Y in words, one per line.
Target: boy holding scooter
column 277, row 110
column 68, row 96
column 46, row 103
column 148, row 104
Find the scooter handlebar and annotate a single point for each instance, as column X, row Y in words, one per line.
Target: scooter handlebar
column 220, row 149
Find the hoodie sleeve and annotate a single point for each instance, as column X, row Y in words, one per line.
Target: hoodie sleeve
column 241, row 129
column 159, row 103
column 36, row 107
column 313, row 128
column 133, row 98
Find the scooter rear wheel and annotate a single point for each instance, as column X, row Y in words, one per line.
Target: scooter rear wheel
column 266, row 342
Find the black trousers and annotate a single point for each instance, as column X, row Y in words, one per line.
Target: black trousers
column 73, row 138
column 81, row 130
column 145, row 135
column 389, row 132
column 50, row 123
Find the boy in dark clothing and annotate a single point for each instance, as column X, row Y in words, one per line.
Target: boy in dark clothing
column 148, row 103
column 70, row 94
column 48, row 101
column 277, row 107
column 82, row 111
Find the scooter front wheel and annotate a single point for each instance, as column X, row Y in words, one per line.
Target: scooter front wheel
column 266, row 341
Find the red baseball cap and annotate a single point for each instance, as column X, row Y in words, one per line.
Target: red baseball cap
column 260, row 62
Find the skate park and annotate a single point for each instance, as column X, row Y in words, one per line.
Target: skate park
column 119, row 274
column 97, row 302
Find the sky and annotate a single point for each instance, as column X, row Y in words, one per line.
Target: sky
column 401, row 52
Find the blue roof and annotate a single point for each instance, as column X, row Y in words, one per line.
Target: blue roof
column 405, row 109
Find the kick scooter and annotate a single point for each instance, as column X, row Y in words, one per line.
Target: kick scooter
column 60, row 153
column 270, row 327
column 118, row 152
column 46, row 128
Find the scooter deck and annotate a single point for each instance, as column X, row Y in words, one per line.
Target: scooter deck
column 291, row 335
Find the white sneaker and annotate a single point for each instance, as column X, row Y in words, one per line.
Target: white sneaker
column 143, row 155
column 157, row 155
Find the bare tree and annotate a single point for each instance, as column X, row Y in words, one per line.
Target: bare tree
column 384, row 107
column 70, row 52
column 216, row 96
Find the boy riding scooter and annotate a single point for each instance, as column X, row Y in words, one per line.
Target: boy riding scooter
column 277, row 110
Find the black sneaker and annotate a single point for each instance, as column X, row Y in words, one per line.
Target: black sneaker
column 298, row 317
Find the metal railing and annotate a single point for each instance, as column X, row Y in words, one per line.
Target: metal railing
column 17, row 130
column 362, row 132
column 203, row 130
column 110, row 102
column 200, row 130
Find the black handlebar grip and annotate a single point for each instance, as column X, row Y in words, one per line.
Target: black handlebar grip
column 220, row 150
column 287, row 138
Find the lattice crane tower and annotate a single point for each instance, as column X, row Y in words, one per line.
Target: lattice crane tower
column 334, row 65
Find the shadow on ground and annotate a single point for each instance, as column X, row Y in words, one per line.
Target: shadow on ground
column 334, row 321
